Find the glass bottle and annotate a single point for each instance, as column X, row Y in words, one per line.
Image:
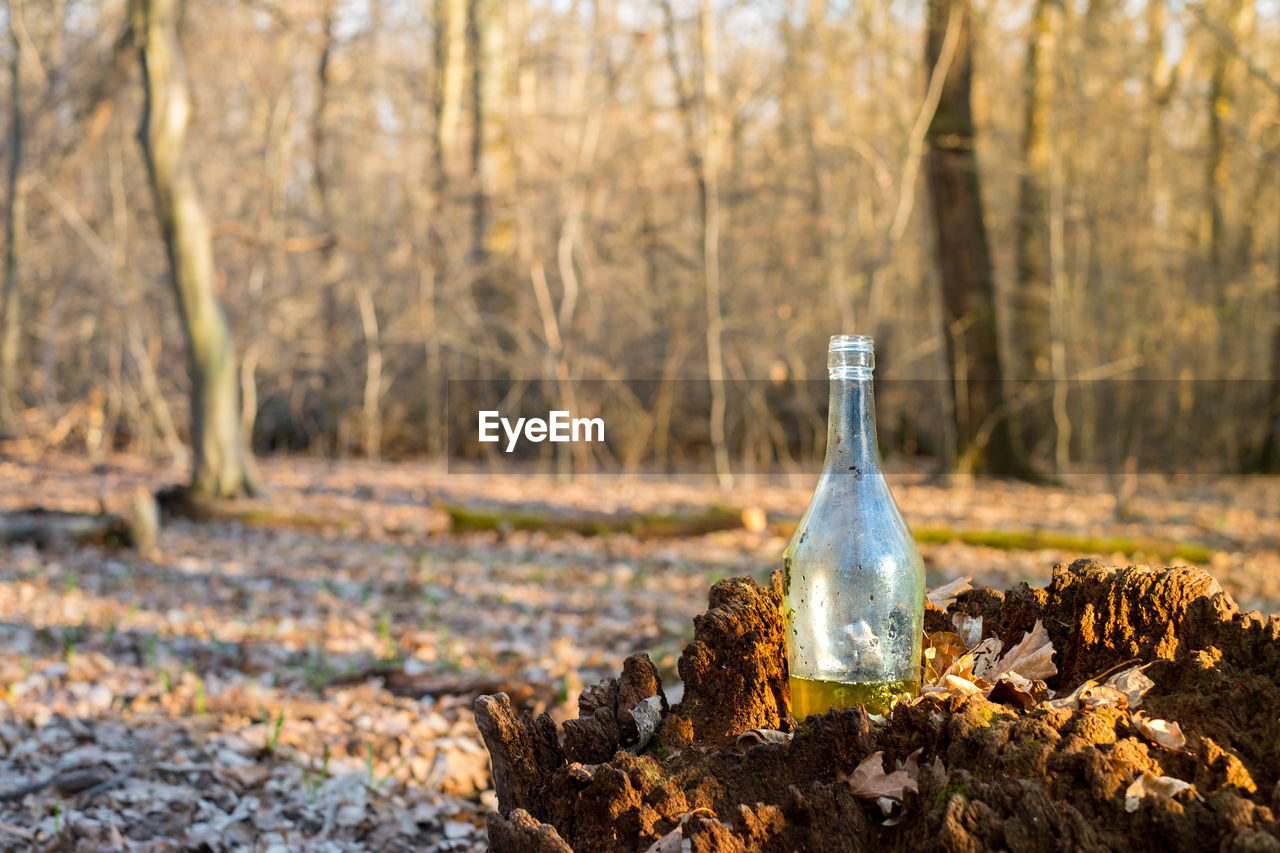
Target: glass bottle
column 853, row 577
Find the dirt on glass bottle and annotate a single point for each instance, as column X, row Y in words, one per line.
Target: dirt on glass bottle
column 853, row 577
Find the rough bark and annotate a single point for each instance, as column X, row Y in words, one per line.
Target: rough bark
column 1268, row 457
column 1032, row 327
column 1217, row 161
column 222, row 464
column 332, row 259
column 984, row 440
column 14, row 214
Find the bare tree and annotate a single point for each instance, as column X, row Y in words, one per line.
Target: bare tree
column 704, row 153
column 673, row 153
column 985, row 442
column 477, row 20
column 222, row 466
column 14, row 219
column 1031, row 328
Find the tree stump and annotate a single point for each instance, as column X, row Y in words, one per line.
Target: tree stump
column 728, row 770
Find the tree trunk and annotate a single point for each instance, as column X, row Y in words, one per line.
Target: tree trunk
column 479, row 202
column 1031, row 327
column 222, row 464
column 1268, row 458
column 1217, row 164
column 450, row 60
column 984, row 440
column 9, row 304
column 712, row 141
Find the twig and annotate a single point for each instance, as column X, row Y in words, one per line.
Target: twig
column 69, row 782
column 1122, row 665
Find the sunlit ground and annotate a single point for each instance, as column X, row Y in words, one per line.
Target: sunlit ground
column 307, row 674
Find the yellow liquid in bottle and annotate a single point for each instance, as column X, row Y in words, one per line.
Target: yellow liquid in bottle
column 813, row 696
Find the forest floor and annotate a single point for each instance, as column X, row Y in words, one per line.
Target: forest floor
column 302, row 678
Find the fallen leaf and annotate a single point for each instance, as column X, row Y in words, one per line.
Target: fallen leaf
column 1032, row 657
column 943, row 595
column 977, row 662
column 648, row 716
column 1072, row 700
column 1160, row 732
column 870, row 781
column 1103, row 696
column 953, row 685
column 1148, row 785
column 985, row 656
column 941, row 650
column 968, row 627
column 1014, row 689
column 754, row 737
column 246, row 775
column 674, row 841
column 1133, row 684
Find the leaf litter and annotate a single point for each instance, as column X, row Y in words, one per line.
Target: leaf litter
column 350, row 649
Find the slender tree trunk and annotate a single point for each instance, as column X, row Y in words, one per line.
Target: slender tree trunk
column 1031, row 327
column 700, row 149
column 450, row 60
column 1217, row 165
column 332, row 259
column 14, row 215
column 479, row 202
column 1268, row 458
column 222, row 464
column 712, row 142
column 372, row 430
column 984, row 440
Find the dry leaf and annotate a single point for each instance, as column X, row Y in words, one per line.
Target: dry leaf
column 648, row 716
column 870, row 781
column 985, row 655
column 674, row 841
column 968, row 627
column 1032, row 657
column 1072, row 701
column 941, row 650
column 1015, row 689
column 953, row 685
column 1133, row 684
column 1148, row 785
column 976, row 663
column 1102, row 696
column 754, row 737
column 943, row 595
column 1160, row 732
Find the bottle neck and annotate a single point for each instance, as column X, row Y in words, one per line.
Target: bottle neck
column 851, row 428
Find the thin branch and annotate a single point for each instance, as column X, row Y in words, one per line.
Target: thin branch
column 915, row 144
column 1224, row 37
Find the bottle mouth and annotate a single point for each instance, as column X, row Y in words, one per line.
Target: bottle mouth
column 851, row 357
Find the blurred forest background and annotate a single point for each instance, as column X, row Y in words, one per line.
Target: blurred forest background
column 1060, row 220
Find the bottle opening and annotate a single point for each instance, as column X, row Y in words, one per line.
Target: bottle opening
column 851, row 357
